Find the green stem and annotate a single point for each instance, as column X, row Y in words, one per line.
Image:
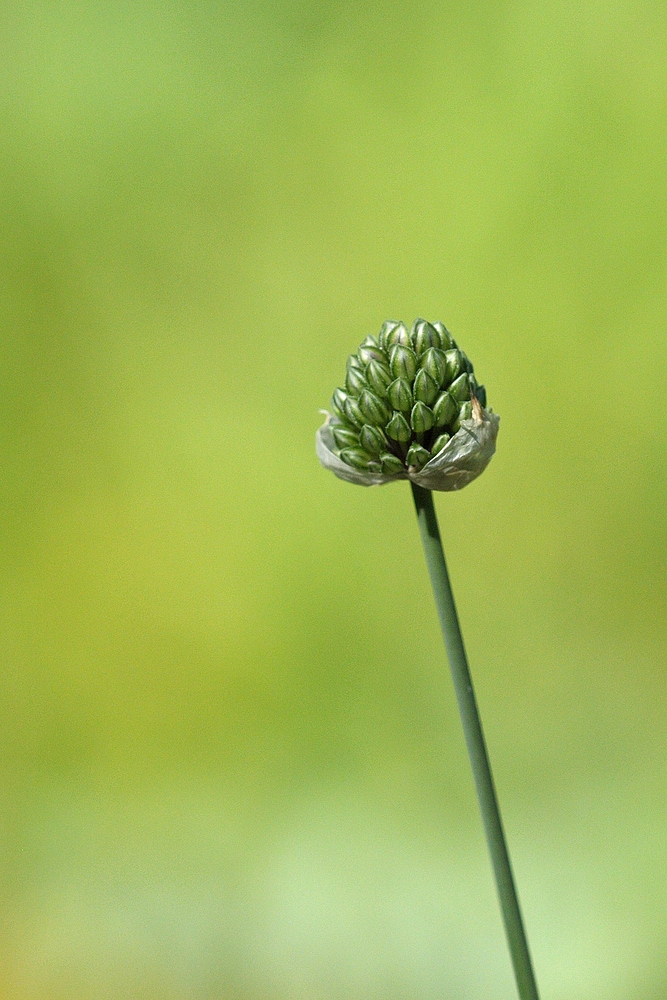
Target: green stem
column 472, row 728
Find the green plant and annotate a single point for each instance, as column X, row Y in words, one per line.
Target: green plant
column 411, row 409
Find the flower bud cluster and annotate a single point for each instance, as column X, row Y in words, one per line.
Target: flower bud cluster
column 406, row 394
column 410, row 408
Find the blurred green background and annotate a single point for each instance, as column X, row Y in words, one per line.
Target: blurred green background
column 232, row 765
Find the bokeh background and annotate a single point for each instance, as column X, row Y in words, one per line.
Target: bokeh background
column 232, row 767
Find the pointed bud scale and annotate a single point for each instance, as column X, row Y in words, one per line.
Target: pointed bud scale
column 446, row 339
column 399, row 335
column 373, row 409
column 403, row 362
column 378, row 377
column 368, row 354
column 417, row 457
column 398, row 429
column 439, row 443
column 445, row 410
column 357, row 458
column 387, row 329
column 390, row 464
column 353, row 362
column 400, row 395
column 434, row 362
column 345, row 437
column 370, row 341
column 372, row 440
column 460, row 388
column 454, row 364
column 421, row 418
column 480, row 392
column 425, row 389
column 424, row 336
column 465, row 413
column 338, row 402
column 353, row 414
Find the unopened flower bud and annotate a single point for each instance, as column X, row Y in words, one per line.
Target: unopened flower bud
column 434, row 362
column 467, row 363
column 403, row 362
column 372, row 439
column 465, row 413
column 417, row 456
column 368, row 354
column 391, row 465
column 454, row 364
column 480, row 393
column 445, row 409
column 370, row 341
column 424, row 336
column 439, row 443
column 400, row 395
column 338, row 402
column 355, row 381
column 356, row 457
column 398, row 429
column 353, row 362
column 425, row 388
column 345, row 437
column 446, row 339
column 378, row 376
column 421, row 418
column 397, row 335
column 372, row 407
column 352, row 412
column 460, row 388
column 387, row 327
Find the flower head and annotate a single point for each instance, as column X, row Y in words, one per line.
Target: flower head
column 410, row 408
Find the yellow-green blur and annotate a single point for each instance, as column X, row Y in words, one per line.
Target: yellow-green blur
column 231, row 763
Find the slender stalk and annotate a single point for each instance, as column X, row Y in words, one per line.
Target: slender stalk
column 472, row 728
